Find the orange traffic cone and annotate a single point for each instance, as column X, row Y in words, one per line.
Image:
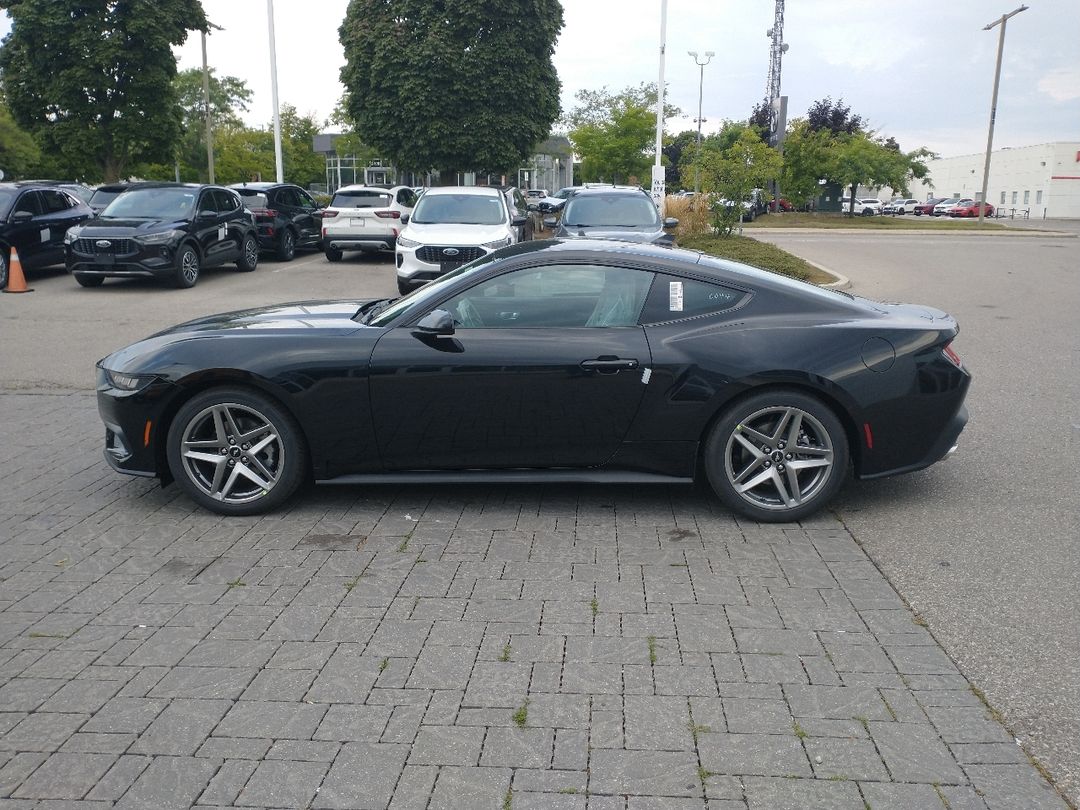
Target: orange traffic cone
column 16, row 279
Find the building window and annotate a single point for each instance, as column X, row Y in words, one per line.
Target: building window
column 1002, row 198
column 1014, row 198
column 1027, row 197
column 1038, row 197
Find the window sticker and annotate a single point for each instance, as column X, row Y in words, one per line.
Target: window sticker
column 45, row 235
column 675, row 296
column 222, row 232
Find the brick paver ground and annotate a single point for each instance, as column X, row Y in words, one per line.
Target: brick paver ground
column 506, row 647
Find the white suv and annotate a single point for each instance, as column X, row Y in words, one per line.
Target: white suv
column 863, row 207
column 452, row 226
column 366, row 218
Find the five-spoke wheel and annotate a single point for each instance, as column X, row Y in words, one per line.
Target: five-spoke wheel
column 235, row 451
column 777, row 456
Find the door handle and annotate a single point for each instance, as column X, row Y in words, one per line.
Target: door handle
column 609, row 365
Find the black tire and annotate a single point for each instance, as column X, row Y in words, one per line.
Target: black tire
column 3, row 267
column 403, row 288
column 736, row 449
column 188, row 266
column 88, row 281
column 286, row 245
column 332, row 255
column 249, row 255
column 280, row 460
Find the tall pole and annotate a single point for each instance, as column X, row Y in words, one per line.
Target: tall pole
column 658, row 179
column 273, row 92
column 993, row 101
column 701, row 84
column 206, row 114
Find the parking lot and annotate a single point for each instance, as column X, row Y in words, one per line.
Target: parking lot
column 547, row 647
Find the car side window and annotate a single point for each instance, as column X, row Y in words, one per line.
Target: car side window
column 207, row 203
column 28, row 202
column 54, row 201
column 225, row 201
column 407, row 197
column 563, row 295
column 673, row 298
column 286, row 196
column 304, row 201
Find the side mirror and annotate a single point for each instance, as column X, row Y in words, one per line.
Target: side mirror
column 518, row 222
column 670, row 222
column 437, row 323
column 550, row 223
column 404, row 219
column 21, row 216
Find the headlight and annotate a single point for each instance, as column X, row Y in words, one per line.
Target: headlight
column 127, row 382
column 407, row 243
column 498, row 243
column 71, row 235
column 157, row 238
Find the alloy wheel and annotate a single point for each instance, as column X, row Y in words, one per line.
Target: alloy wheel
column 189, row 267
column 251, row 252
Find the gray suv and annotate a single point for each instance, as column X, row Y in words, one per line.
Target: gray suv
column 610, row 212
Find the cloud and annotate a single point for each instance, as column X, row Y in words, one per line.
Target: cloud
column 1062, row 84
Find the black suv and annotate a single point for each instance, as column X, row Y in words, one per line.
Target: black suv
column 286, row 216
column 163, row 230
column 33, row 220
column 613, row 212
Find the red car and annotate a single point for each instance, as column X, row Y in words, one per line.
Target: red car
column 781, row 205
column 928, row 206
column 972, row 210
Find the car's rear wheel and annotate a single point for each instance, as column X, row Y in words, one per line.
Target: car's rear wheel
column 235, row 451
column 286, row 246
column 249, row 255
column 777, row 456
column 3, row 267
column 188, row 265
column 84, row 280
column 332, row 255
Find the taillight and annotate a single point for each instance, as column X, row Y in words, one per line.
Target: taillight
column 950, row 354
column 388, row 214
column 264, row 212
column 329, row 214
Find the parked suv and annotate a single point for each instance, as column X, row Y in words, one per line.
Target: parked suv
column 164, row 230
column 452, row 226
column 366, row 218
column 285, row 216
column 33, row 220
column 866, row 207
column 628, row 214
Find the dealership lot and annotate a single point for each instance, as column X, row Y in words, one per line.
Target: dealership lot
column 567, row 647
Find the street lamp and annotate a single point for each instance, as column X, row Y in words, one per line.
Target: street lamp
column 993, row 101
column 701, row 83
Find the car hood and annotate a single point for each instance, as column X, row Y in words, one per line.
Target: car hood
column 619, row 234
column 454, row 234
column 127, row 227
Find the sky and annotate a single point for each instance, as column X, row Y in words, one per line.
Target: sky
column 920, row 71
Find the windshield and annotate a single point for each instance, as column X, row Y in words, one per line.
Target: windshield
column 361, row 199
column 153, row 203
column 459, row 209
column 429, row 292
column 611, row 211
column 6, row 196
column 102, row 197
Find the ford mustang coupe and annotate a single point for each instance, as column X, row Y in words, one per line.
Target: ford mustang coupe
column 559, row 361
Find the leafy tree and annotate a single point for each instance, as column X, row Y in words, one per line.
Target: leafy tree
column 858, row 159
column 732, row 173
column 93, row 81
column 19, row 155
column 761, row 119
column 806, row 157
column 229, row 96
column 615, row 133
column 456, row 85
column 677, row 149
column 833, row 116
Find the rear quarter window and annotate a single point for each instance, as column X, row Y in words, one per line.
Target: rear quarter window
column 673, row 298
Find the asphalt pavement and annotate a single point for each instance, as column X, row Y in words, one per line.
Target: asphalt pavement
column 985, row 545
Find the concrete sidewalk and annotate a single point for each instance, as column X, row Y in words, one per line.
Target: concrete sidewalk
column 504, row 647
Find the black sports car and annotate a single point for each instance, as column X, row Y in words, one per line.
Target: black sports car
column 578, row 360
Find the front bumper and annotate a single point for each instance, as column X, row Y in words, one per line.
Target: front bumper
column 133, row 422
column 411, row 269
column 146, row 261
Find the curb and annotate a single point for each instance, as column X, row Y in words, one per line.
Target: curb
column 1026, row 232
column 841, row 283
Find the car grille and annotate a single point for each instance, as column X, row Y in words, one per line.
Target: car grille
column 116, row 247
column 433, row 254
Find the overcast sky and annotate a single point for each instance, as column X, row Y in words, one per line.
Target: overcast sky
column 920, row 70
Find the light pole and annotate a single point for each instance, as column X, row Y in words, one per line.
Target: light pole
column 701, row 84
column 273, row 92
column 658, row 177
column 993, row 101
column 206, row 108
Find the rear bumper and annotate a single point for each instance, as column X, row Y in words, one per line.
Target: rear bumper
column 942, row 447
column 359, row 242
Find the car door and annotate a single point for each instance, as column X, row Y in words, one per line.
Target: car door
column 306, row 217
column 60, row 212
column 544, row 369
column 25, row 230
column 212, row 230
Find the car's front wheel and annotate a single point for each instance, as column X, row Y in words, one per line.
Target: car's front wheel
column 188, row 263
column 286, row 247
column 249, row 255
column 88, row 281
column 777, row 456
column 236, row 451
column 3, row 267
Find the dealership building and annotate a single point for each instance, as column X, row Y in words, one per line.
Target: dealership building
column 1037, row 182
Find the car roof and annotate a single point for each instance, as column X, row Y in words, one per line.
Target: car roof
column 362, row 187
column 476, row 190
column 608, row 191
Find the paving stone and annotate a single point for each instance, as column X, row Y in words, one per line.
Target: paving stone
column 447, row 745
column 119, row 778
column 458, row 787
column 915, row 753
column 647, row 773
column 259, row 718
column 657, row 723
column 362, row 777
column 802, row 794
column 518, row 747
column 181, row 728
column 901, row 797
column 44, row 732
column 1003, row 786
column 65, row 776
column 753, row 754
column 169, row 782
column 282, row 784
column 228, row 782
column 348, row 723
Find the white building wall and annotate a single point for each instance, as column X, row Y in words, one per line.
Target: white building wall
column 1043, row 179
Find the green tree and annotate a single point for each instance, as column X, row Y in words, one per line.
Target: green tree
column 833, row 116
column 229, row 97
column 859, row 159
column 93, row 81
column 678, row 152
column 19, row 155
column 615, row 133
column 732, row 173
column 806, row 156
column 456, row 85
